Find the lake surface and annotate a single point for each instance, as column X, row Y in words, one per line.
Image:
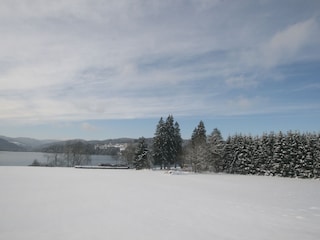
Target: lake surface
column 26, row 158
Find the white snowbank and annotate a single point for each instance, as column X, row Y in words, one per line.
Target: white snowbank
column 68, row 203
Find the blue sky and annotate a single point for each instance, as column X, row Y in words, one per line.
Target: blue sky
column 106, row 69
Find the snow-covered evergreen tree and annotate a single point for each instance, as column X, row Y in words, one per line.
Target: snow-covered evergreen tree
column 158, row 144
column 287, row 155
column 249, row 161
column 280, row 151
column 199, row 136
column 178, row 145
column 267, row 152
column 216, row 147
column 228, row 155
column 316, row 156
column 307, row 147
column 240, row 156
column 198, row 152
column 167, row 143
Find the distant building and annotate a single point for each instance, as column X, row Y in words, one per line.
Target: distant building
column 105, row 146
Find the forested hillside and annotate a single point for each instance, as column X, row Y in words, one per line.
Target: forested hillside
column 8, row 146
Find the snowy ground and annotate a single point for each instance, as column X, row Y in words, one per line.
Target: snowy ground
column 68, row 203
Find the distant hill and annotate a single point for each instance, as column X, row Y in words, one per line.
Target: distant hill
column 30, row 144
column 9, row 146
column 26, row 144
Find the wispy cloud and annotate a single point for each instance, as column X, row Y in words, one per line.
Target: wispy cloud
column 82, row 60
column 88, row 127
column 288, row 45
column 241, row 81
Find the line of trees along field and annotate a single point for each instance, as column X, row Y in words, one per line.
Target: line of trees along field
column 68, row 155
column 291, row 154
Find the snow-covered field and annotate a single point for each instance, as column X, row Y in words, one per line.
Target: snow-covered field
column 68, row 203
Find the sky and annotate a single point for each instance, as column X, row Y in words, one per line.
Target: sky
column 100, row 69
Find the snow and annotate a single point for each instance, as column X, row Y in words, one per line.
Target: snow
column 69, row 203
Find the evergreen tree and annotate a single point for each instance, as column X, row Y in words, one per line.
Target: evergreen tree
column 280, row 150
column 158, row 144
column 258, row 162
column 305, row 159
column 250, row 148
column 235, row 145
column 240, row 155
column 141, row 155
column 267, row 152
column 167, row 143
column 316, row 156
column 216, row 148
column 227, row 155
column 287, row 155
column 178, row 145
column 198, row 152
column 199, row 136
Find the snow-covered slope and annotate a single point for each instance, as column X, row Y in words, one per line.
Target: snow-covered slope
column 67, row 203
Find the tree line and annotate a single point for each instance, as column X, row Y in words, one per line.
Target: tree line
column 68, row 155
column 88, row 148
column 291, row 154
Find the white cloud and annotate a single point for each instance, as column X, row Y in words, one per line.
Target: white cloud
column 286, row 46
column 241, row 82
column 79, row 60
column 88, row 127
column 241, row 103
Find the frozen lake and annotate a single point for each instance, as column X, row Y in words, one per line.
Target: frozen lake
column 68, row 203
column 26, row 158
